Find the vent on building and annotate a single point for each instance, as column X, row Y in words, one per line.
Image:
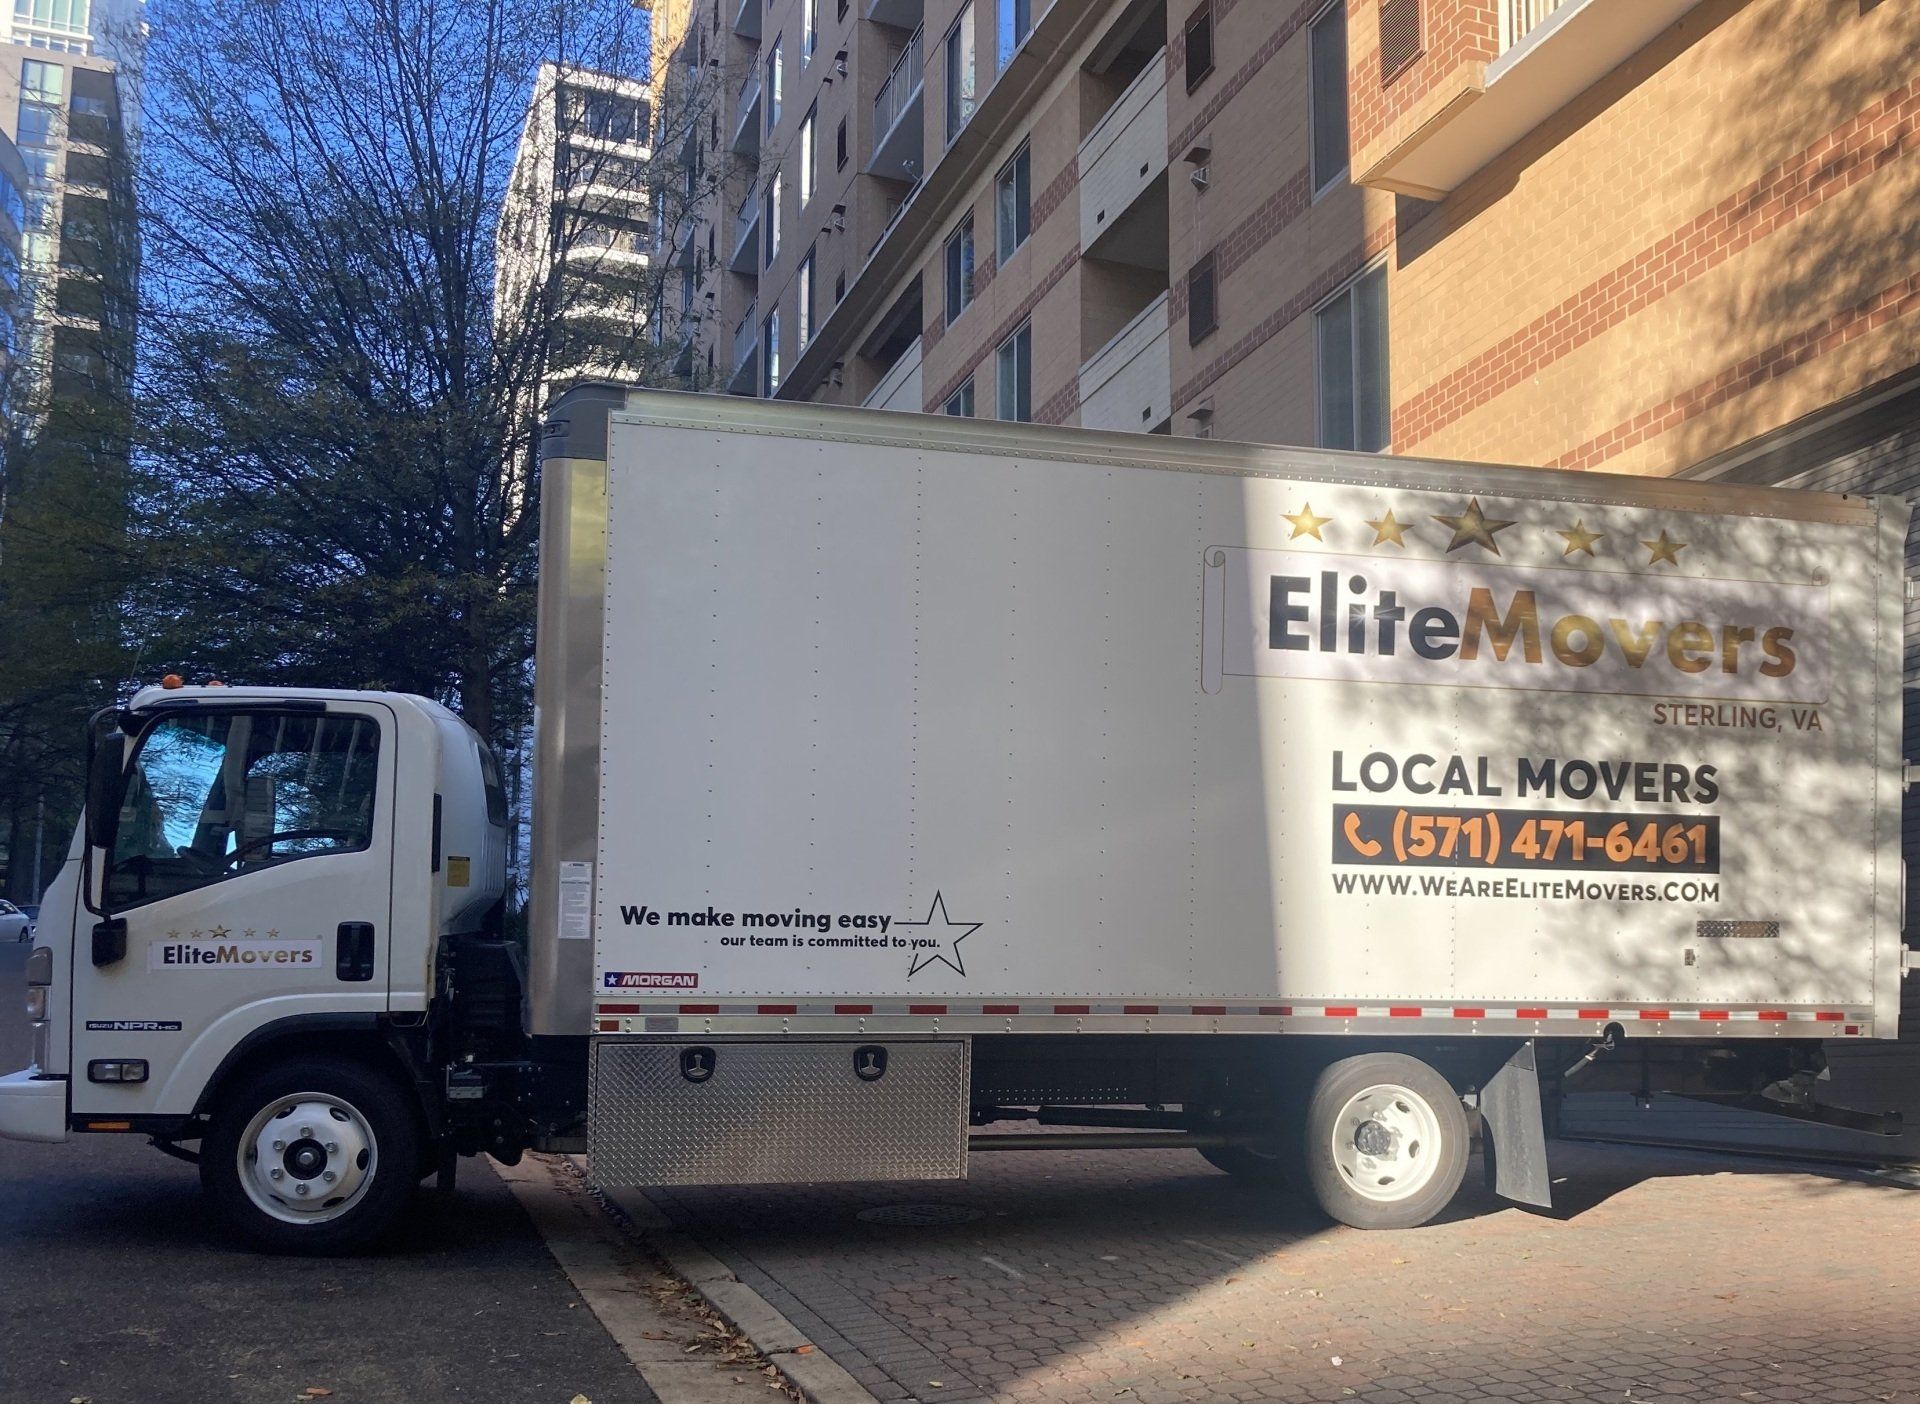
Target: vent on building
column 1203, row 312
column 1399, row 36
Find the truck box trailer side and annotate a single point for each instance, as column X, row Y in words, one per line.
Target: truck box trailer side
column 902, row 780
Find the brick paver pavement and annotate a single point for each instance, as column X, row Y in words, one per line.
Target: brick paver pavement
column 1148, row 1277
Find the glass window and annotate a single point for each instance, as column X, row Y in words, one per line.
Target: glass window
column 770, row 217
column 959, row 258
column 809, row 28
column 1328, row 70
column 840, row 147
column 773, row 86
column 1199, row 44
column 1350, row 342
column 809, row 156
column 1203, row 302
column 1013, row 203
column 960, row 404
column 961, row 72
column 1015, row 366
column 770, row 355
column 39, row 163
column 218, row 797
column 43, row 82
column 806, row 302
column 1016, row 23
column 37, row 123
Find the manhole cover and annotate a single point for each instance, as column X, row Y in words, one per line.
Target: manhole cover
column 920, row 1215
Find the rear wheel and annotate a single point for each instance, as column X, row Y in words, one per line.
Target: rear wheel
column 1386, row 1141
column 312, row 1155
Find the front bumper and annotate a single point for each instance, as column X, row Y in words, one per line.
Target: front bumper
column 33, row 1107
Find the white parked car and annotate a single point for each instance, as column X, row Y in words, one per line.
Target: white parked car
column 15, row 925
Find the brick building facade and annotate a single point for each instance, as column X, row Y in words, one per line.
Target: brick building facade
column 1555, row 232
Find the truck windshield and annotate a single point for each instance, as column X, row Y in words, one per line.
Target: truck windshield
column 214, row 797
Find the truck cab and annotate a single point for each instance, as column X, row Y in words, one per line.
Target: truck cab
column 244, row 942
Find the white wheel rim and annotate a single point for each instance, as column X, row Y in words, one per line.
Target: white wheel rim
column 307, row 1158
column 1386, row 1143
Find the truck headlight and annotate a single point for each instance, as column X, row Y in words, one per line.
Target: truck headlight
column 36, row 1004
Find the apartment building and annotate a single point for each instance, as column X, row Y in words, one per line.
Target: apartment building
column 574, row 281
column 1643, row 236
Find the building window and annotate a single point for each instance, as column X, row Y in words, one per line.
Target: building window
column 959, row 270
column 772, row 86
column 1350, row 343
column 841, row 11
column 839, row 288
column 840, row 146
column 1014, row 362
column 43, row 82
column 806, row 303
column 961, row 72
column 1199, row 44
column 1327, row 44
column 770, row 354
column 1013, row 203
column 960, row 403
column 809, row 28
column 1016, row 23
column 809, row 155
column 770, row 218
column 1203, row 302
column 686, row 291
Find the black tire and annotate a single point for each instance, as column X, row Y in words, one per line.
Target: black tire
column 1423, row 1175
column 379, row 1140
column 1267, row 1168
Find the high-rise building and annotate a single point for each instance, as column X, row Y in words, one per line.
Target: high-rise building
column 1643, row 236
column 574, row 244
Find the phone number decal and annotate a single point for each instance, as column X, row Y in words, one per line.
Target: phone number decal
column 1394, row 835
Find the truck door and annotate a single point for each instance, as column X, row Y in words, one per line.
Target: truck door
column 252, row 862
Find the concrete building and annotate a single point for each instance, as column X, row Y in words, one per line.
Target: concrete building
column 574, row 279
column 68, row 106
column 1565, row 232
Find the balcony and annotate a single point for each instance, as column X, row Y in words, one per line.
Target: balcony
column 1547, row 53
column 900, row 387
column 746, row 130
column 901, row 14
column 746, row 236
column 1125, row 154
column 745, row 379
column 898, row 115
column 746, row 20
column 1128, row 384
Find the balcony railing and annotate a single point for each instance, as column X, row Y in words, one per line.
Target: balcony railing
column 902, row 86
column 746, row 336
column 1518, row 18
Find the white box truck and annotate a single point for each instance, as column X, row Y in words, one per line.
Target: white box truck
column 902, row 779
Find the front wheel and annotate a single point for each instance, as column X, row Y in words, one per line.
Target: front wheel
column 1386, row 1141
column 312, row 1155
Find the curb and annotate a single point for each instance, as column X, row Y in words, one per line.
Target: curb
column 818, row 1377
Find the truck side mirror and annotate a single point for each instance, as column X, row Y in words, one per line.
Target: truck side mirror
column 106, row 775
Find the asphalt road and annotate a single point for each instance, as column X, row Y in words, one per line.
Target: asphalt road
column 118, row 1286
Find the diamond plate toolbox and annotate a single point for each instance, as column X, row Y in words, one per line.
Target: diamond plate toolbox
column 789, row 1111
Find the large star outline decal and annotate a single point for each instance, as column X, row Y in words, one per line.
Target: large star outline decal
column 954, row 932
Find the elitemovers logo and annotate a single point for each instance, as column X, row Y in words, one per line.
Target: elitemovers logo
column 233, row 955
column 1291, row 614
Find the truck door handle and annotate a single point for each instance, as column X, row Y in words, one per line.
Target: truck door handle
column 353, row 951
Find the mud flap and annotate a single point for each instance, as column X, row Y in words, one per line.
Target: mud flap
column 1516, row 1158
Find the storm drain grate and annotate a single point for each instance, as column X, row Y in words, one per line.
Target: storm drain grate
column 920, row 1215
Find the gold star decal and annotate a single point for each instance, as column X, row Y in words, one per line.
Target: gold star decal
column 248, row 933
column 273, row 934
column 1473, row 528
column 219, row 933
column 173, row 935
column 1665, row 549
column 1387, row 529
column 1580, row 539
column 1305, row 523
